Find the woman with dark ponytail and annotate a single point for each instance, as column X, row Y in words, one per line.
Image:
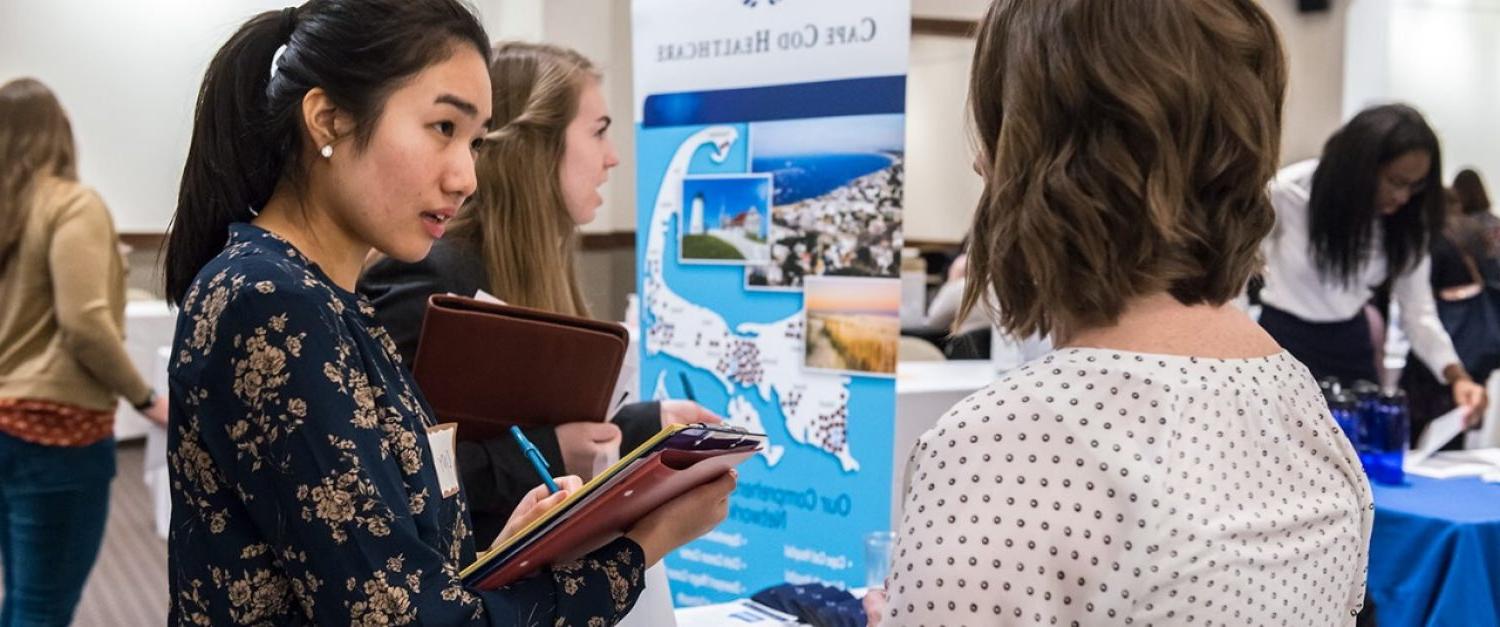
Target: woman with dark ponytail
column 1347, row 224
column 306, row 488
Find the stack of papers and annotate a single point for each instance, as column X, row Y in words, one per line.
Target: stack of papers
column 741, row 612
column 1484, row 463
column 1438, row 434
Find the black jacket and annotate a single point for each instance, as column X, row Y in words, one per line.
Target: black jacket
column 494, row 473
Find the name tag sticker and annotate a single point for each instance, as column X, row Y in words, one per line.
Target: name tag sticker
column 441, row 438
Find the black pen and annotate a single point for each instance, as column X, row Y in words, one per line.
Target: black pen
column 687, row 388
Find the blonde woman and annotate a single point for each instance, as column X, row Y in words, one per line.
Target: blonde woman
column 62, row 361
column 516, row 238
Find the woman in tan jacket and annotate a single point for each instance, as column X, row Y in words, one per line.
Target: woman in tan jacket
column 62, row 361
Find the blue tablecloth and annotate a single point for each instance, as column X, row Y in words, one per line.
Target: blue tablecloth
column 1435, row 553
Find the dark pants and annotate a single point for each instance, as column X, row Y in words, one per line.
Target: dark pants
column 1328, row 349
column 53, row 504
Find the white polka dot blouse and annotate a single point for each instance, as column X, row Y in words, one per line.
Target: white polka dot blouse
column 1096, row 487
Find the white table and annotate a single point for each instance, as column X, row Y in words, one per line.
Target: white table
column 148, row 340
column 924, row 392
column 148, row 327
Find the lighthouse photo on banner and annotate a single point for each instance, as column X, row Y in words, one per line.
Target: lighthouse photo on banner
column 770, row 158
column 728, row 219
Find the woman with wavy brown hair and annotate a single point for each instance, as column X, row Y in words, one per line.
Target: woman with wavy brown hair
column 1168, row 463
column 62, row 361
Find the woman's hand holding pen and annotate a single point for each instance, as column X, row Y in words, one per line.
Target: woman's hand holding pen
column 675, row 412
column 683, row 519
column 582, row 443
column 534, row 504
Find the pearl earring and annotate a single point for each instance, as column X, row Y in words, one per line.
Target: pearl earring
column 326, row 151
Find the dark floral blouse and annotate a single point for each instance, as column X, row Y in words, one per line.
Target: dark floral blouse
column 303, row 488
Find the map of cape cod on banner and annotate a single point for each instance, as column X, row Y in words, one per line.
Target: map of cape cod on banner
column 770, row 163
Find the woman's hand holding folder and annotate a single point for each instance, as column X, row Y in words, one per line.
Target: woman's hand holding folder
column 582, row 443
column 683, row 519
column 678, row 412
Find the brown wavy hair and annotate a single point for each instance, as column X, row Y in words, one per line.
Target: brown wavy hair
column 36, row 141
column 1125, row 148
column 517, row 218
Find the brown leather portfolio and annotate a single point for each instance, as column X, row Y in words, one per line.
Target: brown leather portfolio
column 488, row 366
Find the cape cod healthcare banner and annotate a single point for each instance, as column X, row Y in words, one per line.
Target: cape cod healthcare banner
column 770, row 155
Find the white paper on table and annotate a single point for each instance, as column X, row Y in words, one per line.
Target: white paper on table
column 1486, row 455
column 1439, row 433
column 1451, row 464
column 741, row 612
column 1439, row 468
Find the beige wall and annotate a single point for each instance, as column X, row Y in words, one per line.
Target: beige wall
column 1315, row 49
column 941, row 188
column 600, row 29
column 1442, row 58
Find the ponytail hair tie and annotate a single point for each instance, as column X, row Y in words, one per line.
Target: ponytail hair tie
column 284, row 34
column 288, row 23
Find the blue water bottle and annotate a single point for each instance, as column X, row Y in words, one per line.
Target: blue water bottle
column 1345, row 409
column 1393, row 432
column 1367, row 408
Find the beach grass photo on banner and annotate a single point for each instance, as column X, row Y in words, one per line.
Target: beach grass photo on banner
column 726, row 219
column 853, row 324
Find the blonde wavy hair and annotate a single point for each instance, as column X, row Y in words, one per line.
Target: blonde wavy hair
column 36, row 142
column 1125, row 149
column 517, row 218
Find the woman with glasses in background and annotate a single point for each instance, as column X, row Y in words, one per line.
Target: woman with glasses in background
column 1350, row 223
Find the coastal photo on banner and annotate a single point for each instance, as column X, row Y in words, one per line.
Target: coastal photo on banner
column 770, row 162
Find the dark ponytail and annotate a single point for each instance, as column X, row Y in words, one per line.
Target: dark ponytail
column 247, row 133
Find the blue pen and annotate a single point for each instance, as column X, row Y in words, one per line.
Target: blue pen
column 535, row 457
column 687, row 387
